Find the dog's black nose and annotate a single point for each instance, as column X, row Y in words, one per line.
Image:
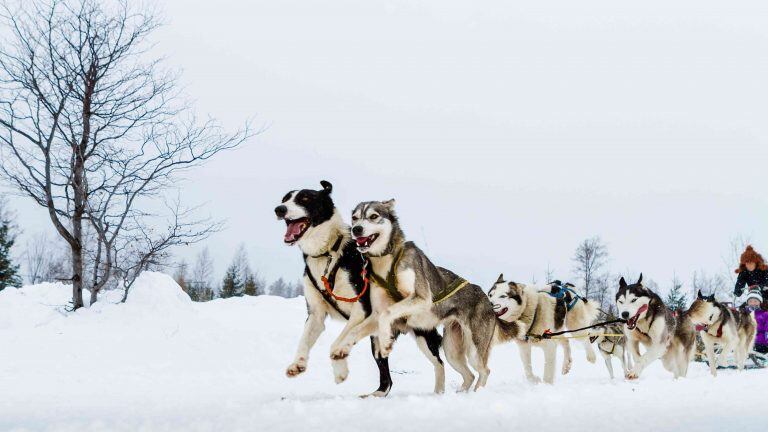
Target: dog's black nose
column 625, row 315
column 281, row 210
column 357, row 231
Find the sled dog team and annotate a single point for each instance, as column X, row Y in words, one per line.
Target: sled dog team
column 382, row 285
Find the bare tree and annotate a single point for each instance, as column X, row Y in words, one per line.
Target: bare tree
column 181, row 276
column 202, row 273
column 45, row 260
column 714, row 284
column 549, row 274
column 145, row 248
column 731, row 258
column 604, row 291
column 88, row 129
column 589, row 260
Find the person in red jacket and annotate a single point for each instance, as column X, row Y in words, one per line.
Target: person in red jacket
column 752, row 271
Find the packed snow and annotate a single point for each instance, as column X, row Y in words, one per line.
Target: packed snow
column 160, row 362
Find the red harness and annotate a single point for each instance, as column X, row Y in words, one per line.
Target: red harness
column 705, row 328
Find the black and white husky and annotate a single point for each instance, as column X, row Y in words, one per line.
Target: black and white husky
column 733, row 330
column 314, row 224
column 664, row 335
column 526, row 312
column 409, row 289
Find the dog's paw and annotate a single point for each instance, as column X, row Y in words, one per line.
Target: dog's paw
column 533, row 379
column 376, row 394
column 567, row 363
column 340, row 371
column 591, row 357
column 340, row 353
column 296, row 368
column 632, row 375
column 385, row 347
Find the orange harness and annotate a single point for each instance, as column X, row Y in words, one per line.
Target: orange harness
column 329, row 287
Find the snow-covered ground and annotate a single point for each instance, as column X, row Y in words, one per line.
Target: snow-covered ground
column 160, row 362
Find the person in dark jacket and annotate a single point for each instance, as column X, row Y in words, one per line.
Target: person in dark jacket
column 752, row 271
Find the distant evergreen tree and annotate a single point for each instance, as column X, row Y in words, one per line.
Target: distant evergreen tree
column 9, row 272
column 297, row 289
column 249, row 287
column 231, row 286
column 675, row 298
column 279, row 288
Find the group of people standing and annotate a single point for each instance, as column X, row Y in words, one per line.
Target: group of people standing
column 753, row 275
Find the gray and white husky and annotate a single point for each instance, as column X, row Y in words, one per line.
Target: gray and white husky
column 733, row 330
column 409, row 289
column 611, row 346
column 650, row 322
column 314, row 224
column 526, row 312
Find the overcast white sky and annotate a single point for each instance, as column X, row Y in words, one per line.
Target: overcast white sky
column 507, row 131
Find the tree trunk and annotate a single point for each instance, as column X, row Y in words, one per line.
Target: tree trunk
column 77, row 271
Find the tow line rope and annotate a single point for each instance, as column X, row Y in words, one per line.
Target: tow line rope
column 552, row 335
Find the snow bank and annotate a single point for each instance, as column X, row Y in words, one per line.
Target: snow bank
column 33, row 305
column 157, row 292
column 161, row 362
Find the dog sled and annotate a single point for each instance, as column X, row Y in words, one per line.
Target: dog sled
column 755, row 360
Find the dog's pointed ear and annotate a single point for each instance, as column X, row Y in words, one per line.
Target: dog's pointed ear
column 640, row 279
column 622, row 283
column 327, row 187
column 711, row 298
column 390, row 204
column 701, row 296
column 500, row 279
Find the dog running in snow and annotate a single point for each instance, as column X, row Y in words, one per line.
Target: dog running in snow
column 314, row 224
column 410, row 289
column 525, row 312
column 611, row 346
column 733, row 330
column 650, row 322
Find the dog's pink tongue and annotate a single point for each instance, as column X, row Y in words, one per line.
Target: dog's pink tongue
column 293, row 230
column 361, row 240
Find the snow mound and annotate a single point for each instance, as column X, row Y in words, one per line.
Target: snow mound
column 33, row 305
column 157, row 291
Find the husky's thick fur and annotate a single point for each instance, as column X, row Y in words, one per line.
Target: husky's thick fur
column 612, row 346
column 525, row 312
column 466, row 313
column 733, row 330
column 314, row 224
column 664, row 335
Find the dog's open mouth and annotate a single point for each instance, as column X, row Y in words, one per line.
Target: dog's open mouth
column 500, row 311
column 295, row 229
column 632, row 322
column 364, row 243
